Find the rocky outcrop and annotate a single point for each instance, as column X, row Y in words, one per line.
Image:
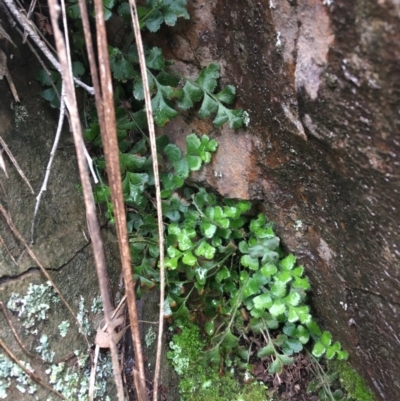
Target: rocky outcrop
column 321, row 82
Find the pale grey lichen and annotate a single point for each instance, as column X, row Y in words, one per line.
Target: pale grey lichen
column 21, row 114
column 150, row 337
column 72, row 382
column 44, row 349
column 69, row 382
column 83, row 318
column 9, row 371
column 298, row 224
column 179, row 361
column 97, row 305
column 246, row 118
column 35, row 305
column 167, row 311
column 63, row 327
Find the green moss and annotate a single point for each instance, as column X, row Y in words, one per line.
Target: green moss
column 197, row 380
column 352, row 382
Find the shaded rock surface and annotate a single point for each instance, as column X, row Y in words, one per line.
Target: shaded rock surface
column 61, row 235
column 321, row 82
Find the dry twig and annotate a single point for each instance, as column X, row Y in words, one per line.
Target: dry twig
column 102, row 341
column 105, row 109
column 16, row 165
column 5, row 73
column 150, row 122
column 25, row 23
column 94, row 228
column 8, row 251
column 28, row 372
column 48, row 168
column 15, row 333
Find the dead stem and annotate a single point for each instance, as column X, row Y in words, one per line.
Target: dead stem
column 16, row 165
column 150, row 123
column 28, row 372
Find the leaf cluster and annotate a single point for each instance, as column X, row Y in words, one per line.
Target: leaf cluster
column 170, row 92
column 52, row 80
column 224, row 268
column 156, row 12
column 219, row 260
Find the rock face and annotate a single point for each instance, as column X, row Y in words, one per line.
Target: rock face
column 61, row 236
column 60, row 243
column 321, row 82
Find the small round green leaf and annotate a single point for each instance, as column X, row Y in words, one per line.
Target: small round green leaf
column 318, row 349
column 275, row 367
column 342, row 355
column 286, row 360
column 268, row 269
column 248, row 261
column 314, row 328
column 189, row 259
column 278, row 289
column 266, row 351
column 194, row 162
column 208, row 229
column 243, row 247
column 222, row 274
column 326, row 338
column 209, row 327
column 288, row 263
column 262, row 301
column 206, row 250
column 303, row 334
column 293, row 298
column 278, row 308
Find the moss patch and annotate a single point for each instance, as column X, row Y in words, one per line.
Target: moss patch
column 352, row 382
column 199, row 381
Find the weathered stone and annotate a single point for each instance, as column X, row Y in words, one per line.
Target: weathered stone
column 321, row 82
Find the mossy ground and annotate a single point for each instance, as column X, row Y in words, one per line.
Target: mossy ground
column 351, row 382
column 199, row 381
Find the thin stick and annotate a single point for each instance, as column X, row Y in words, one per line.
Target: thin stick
column 90, row 164
column 7, row 14
column 15, row 333
column 92, row 379
column 49, row 164
column 91, row 217
column 29, row 16
column 8, row 251
column 16, row 165
column 152, row 135
column 111, row 152
column 27, row 372
column 40, row 44
column 34, row 27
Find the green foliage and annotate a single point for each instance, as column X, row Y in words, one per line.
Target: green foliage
column 219, row 259
column 212, row 103
column 338, row 382
column 156, row 12
column 351, row 381
column 170, row 93
column 168, row 90
column 198, row 381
